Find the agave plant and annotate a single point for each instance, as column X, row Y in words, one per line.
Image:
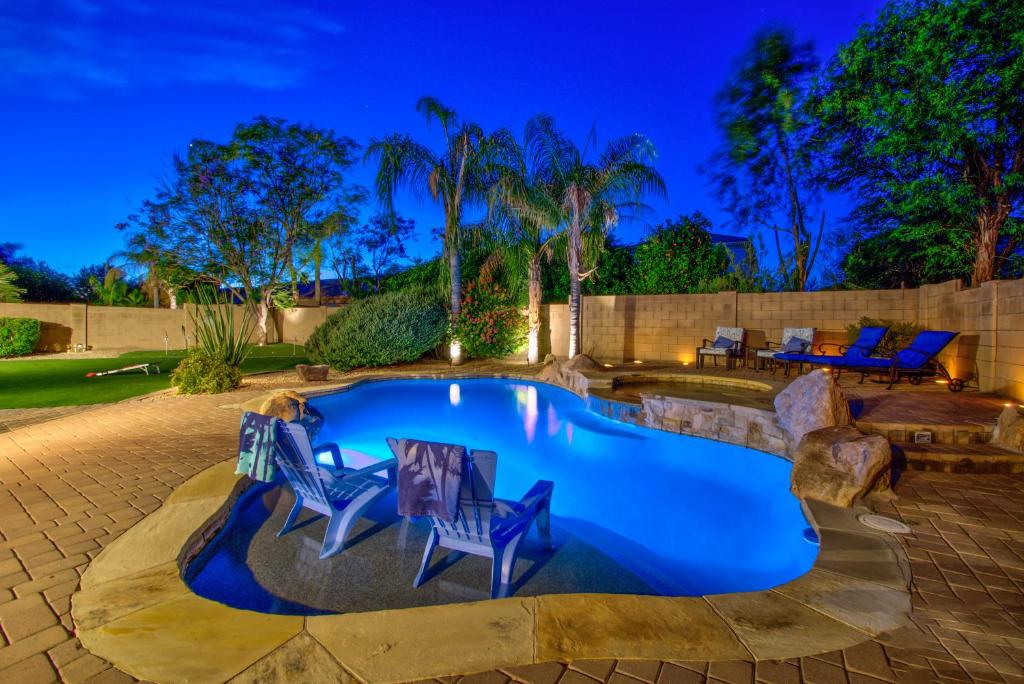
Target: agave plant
column 216, row 333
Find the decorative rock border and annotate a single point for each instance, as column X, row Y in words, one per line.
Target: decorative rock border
column 134, row 610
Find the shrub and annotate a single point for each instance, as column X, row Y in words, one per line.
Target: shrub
column 199, row 373
column 899, row 335
column 379, row 330
column 489, row 325
column 678, row 256
column 18, row 336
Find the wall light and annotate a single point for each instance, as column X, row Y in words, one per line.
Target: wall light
column 607, row 365
column 637, row 361
column 455, row 352
column 942, row 382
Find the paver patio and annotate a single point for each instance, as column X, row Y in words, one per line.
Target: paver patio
column 70, row 485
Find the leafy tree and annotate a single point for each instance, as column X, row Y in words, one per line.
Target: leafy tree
column 678, row 257
column 235, row 214
column 9, row 292
column 38, row 281
column 595, row 193
column 923, row 113
column 764, row 170
column 114, row 290
column 383, row 244
column 453, row 176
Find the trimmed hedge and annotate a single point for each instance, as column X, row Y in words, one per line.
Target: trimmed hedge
column 199, row 373
column 378, row 331
column 18, row 336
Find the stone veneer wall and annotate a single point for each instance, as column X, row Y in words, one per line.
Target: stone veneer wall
column 990, row 320
column 750, row 427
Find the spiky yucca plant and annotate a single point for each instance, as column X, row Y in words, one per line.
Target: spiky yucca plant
column 217, row 336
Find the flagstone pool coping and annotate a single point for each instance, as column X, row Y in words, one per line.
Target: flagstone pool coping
column 134, row 610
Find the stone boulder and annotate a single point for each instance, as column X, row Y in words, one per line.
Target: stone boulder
column 811, row 402
column 558, row 373
column 1009, row 432
column 840, row 465
column 581, row 362
column 292, row 407
column 312, row 373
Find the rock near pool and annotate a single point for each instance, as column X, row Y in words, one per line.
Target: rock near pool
column 840, row 465
column 811, row 402
column 312, row 373
column 292, row 407
column 557, row 373
column 1009, row 432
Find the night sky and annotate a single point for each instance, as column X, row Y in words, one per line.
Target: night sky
column 95, row 95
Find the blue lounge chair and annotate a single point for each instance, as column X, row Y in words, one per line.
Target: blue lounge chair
column 342, row 494
column 483, row 525
column 867, row 341
column 914, row 362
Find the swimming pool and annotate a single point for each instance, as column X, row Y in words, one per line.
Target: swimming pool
column 690, row 516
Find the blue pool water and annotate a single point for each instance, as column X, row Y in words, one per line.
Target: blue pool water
column 690, row 516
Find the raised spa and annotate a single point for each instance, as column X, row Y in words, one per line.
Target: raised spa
column 690, row 516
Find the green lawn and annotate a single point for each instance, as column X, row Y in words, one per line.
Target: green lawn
column 62, row 382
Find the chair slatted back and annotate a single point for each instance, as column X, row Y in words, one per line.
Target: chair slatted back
column 476, row 500
column 295, row 458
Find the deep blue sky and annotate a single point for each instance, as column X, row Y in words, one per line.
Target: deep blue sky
column 95, row 95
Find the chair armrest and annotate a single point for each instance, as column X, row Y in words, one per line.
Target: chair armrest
column 334, row 451
column 841, row 347
column 387, row 464
column 768, row 344
column 704, row 342
column 539, row 493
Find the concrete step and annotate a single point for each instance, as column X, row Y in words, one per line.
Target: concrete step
column 956, row 458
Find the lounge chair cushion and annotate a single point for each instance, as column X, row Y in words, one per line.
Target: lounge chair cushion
column 719, row 351
column 925, row 345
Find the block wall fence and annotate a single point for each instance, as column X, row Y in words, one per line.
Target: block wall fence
column 990, row 319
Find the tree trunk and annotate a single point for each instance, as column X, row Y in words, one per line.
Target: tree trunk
column 156, row 296
column 172, row 295
column 990, row 221
column 574, row 249
column 316, row 283
column 533, row 312
column 455, row 276
column 261, row 319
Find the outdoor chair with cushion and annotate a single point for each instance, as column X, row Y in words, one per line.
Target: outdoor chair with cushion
column 727, row 344
column 465, row 516
column 794, row 341
column 914, row 362
column 342, row 494
column 862, row 348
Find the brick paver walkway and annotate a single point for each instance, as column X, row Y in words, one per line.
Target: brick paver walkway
column 70, row 485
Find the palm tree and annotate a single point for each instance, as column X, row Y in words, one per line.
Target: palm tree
column 526, row 206
column 452, row 177
column 594, row 195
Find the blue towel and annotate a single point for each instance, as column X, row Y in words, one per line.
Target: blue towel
column 257, row 445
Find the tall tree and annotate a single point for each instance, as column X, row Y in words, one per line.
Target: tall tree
column 297, row 175
column 526, row 207
column 594, row 195
column 452, row 176
column 383, row 244
column 924, row 115
column 764, row 171
column 235, row 214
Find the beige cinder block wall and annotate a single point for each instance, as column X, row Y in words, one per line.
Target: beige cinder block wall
column 990, row 320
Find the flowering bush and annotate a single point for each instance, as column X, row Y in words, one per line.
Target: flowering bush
column 489, row 324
